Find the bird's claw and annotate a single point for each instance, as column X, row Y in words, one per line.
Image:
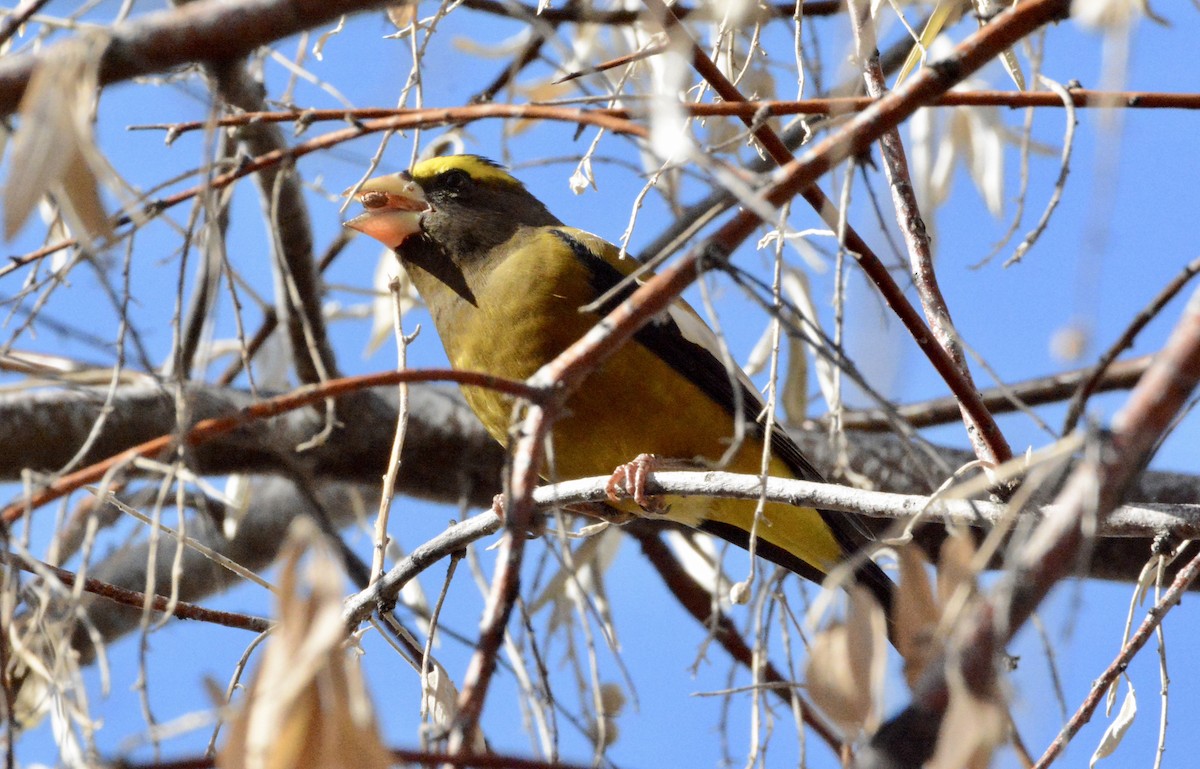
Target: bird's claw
column 629, row 481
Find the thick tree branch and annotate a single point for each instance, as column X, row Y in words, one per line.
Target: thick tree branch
column 212, row 30
column 447, row 456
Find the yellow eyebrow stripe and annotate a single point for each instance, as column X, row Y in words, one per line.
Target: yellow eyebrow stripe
column 479, row 169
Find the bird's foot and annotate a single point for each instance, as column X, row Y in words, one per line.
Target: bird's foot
column 629, row 481
column 537, row 527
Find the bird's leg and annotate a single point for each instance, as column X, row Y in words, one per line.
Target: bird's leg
column 629, row 480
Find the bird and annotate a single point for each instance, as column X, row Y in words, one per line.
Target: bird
column 509, row 287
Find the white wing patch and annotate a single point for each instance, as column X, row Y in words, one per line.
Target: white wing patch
column 695, row 330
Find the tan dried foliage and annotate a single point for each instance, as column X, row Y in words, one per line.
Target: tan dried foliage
column 972, row 729
column 974, row 724
column 53, row 150
column 956, row 572
column 846, row 664
column 917, row 614
column 307, row 706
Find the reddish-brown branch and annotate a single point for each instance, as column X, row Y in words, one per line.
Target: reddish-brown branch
column 838, row 105
column 1183, row 580
column 136, row 599
column 1095, row 487
column 211, row 428
column 1034, row 392
column 414, row 119
column 520, row 482
column 986, row 439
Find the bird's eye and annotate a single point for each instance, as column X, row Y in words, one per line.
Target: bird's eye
column 456, row 180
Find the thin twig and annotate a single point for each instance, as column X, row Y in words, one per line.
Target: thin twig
column 1154, row 617
column 137, row 599
column 987, row 440
column 1105, row 365
column 1120, row 375
column 749, row 108
column 1064, row 169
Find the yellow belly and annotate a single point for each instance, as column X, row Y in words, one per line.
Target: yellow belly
column 634, row 403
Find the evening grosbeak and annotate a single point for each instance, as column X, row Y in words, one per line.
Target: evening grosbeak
column 504, row 280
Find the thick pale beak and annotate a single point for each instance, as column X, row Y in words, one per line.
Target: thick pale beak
column 394, row 206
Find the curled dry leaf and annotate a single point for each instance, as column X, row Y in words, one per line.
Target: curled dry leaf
column 846, row 665
column 605, row 731
column 612, row 700
column 1116, row 730
column 795, row 388
column 972, row 729
column 940, row 139
column 402, row 15
column 307, row 705
column 985, row 11
column 440, row 703
column 956, row 572
column 917, row 614
column 701, row 559
column 53, row 151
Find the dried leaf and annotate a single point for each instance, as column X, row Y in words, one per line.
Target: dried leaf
column 307, row 705
column 797, row 289
column 402, row 15
column 1070, row 342
column 1116, row 730
column 700, row 557
column 670, row 134
column 831, row 681
column 238, row 490
column 593, row 556
column 583, row 177
column 1106, row 15
column 846, row 665
column 794, row 394
column 954, row 567
column 971, row 731
column 1013, row 67
column 937, row 20
column 916, row 613
column 441, row 704
column 612, row 700
column 940, row 139
column 53, row 149
column 318, row 48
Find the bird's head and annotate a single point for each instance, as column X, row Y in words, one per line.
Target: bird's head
column 463, row 203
